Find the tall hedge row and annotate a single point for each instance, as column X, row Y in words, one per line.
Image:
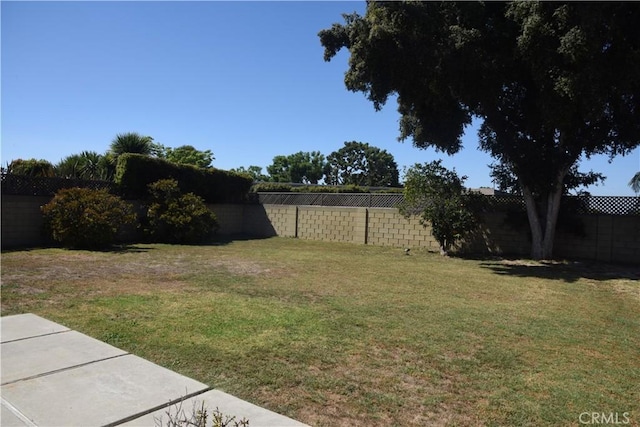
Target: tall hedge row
column 134, row 172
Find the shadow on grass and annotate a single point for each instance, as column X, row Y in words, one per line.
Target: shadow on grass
column 218, row 240
column 225, row 239
column 566, row 271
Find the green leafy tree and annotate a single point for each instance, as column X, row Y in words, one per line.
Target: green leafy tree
column 635, row 183
column 438, row 196
column 86, row 165
column 552, row 82
column 86, row 218
column 31, row 167
column 255, row 172
column 575, row 181
column 173, row 217
column 301, row 167
column 185, row 154
column 358, row 163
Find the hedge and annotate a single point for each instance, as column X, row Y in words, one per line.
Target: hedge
column 134, row 172
column 279, row 187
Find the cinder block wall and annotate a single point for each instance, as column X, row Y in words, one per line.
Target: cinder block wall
column 336, row 224
column 607, row 238
column 22, row 220
column 387, row 227
column 230, row 218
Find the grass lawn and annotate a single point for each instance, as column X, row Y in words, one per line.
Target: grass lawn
column 337, row 334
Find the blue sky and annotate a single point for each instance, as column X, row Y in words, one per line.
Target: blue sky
column 243, row 79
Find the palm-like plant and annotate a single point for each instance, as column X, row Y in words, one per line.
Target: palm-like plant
column 86, row 165
column 131, row 142
column 635, row 183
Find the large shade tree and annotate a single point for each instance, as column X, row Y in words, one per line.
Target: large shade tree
column 552, row 83
column 358, row 163
column 301, row 167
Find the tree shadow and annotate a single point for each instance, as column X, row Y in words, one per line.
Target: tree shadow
column 226, row 239
column 128, row 248
column 566, row 271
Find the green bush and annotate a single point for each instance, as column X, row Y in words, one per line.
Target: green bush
column 134, row 173
column 86, row 218
column 271, row 187
column 173, row 217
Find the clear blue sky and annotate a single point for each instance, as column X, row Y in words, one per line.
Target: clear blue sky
column 243, row 79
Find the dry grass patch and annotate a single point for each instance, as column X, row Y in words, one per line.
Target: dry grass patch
column 338, row 334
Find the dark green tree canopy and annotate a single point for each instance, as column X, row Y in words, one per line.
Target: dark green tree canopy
column 358, row 163
column 255, row 172
column 184, row 155
column 301, row 167
column 31, row 167
column 552, row 82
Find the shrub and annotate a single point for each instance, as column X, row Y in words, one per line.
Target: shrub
column 274, row 187
column 173, row 217
column 31, row 167
column 85, row 218
column 436, row 194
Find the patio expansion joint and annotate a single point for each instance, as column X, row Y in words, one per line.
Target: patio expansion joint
column 66, row 368
column 157, row 408
column 36, row 336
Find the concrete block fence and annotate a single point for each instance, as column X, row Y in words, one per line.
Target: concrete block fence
column 608, row 238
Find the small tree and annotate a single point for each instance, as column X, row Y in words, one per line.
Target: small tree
column 437, row 195
column 173, row 217
column 86, row 218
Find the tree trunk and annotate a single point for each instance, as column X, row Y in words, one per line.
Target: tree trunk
column 553, row 208
column 534, row 223
column 542, row 238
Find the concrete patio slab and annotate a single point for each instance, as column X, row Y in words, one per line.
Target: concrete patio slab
column 53, row 376
column 43, row 354
column 107, row 392
column 27, row 326
column 9, row 419
column 228, row 405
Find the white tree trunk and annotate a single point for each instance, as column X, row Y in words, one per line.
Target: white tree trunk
column 542, row 238
column 534, row 223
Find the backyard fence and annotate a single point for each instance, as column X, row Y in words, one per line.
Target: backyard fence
column 583, row 205
column 21, row 185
